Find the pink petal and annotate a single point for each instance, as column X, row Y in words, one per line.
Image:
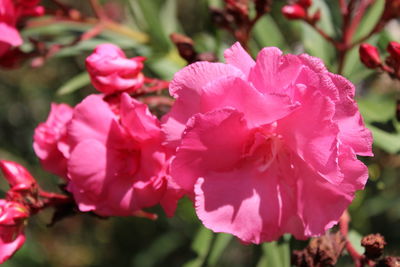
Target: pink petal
column 212, row 141
column 138, row 120
column 91, row 120
column 273, row 73
column 315, row 137
column 186, row 87
column 8, row 248
column 352, row 128
column 238, row 57
column 9, row 35
column 252, row 205
column 239, row 94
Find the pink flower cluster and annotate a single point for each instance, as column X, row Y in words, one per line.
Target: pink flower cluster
column 108, row 147
column 10, row 13
column 262, row 147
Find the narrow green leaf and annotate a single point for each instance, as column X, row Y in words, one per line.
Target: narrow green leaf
column 76, row 83
column 275, row 253
column 267, row 33
column 201, row 245
column 369, row 19
column 314, row 43
column 387, row 141
column 221, row 242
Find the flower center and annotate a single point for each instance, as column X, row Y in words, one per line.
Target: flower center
column 263, row 147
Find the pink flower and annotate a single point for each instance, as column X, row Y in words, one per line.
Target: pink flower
column 116, row 165
column 12, row 237
column 50, row 140
column 267, row 147
column 110, row 70
column 10, row 12
column 9, row 35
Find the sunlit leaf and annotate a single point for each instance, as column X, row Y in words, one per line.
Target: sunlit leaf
column 76, row 83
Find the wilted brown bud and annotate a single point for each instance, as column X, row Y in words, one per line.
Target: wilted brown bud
column 374, row 245
column 321, row 251
column 262, row 6
column 389, row 262
column 185, row 47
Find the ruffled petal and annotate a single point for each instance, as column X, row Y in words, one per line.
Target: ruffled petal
column 273, row 73
column 212, row 141
column 239, row 94
column 238, row 57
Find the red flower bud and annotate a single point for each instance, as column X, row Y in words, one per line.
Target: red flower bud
column 17, row 176
column 369, row 56
column 305, row 3
column 394, row 50
column 294, row 11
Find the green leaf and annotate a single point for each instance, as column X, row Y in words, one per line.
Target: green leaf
column 377, row 108
column 276, row 253
column 151, row 14
column 390, row 142
column 75, row 83
column 370, row 18
column 267, row 33
column 221, row 242
column 158, row 251
column 201, row 245
column 355, row 240
column 314, row 43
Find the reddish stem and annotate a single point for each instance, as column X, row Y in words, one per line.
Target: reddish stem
column 344, row 229
column 343, row 7
column 98, row 10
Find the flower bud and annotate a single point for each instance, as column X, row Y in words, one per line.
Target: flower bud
column 17, row 176
column 294, row 11
column 394, row 50
column 111, row 72
column 370, row 56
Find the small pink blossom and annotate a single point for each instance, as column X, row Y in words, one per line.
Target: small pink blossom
column 12, row 237
column 111, row 72
column 266, row 147
column 50, row 140
column 9, row 35
column 10, row 12
column 117, row 165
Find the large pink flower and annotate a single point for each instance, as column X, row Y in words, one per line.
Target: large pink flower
column 266, row 147
column 50, row 140
column 111, row 72
column 12, row 237
column 116, row 165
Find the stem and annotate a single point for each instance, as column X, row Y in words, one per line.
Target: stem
column 343, row 7
column 98, row 10
column 342, row 60
column 344, row 229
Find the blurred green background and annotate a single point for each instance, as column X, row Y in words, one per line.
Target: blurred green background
column 26, row 94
